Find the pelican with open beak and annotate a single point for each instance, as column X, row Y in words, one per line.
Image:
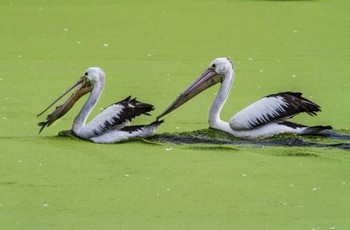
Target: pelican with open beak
column 111, row 125
column 264, row 118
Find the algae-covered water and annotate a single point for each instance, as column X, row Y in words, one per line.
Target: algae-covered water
column 153, row 50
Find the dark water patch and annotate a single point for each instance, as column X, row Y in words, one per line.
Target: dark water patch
column 343, row 135
column 301, row 154
column 212, row 136
column 331, row 140
column 7, row 183
column 296, row 153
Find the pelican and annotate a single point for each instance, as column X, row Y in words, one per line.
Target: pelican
column 111, row 125
column 262, row 119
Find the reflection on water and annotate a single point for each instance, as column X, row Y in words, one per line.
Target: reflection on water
column 339, row 139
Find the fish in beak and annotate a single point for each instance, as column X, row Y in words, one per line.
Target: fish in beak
column 205, row 81
column 83, row 86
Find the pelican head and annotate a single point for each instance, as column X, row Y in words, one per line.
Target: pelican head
column 93, row 76
column 218, row 71
column 221, row 65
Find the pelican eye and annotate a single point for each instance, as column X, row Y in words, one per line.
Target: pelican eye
column 86, row 73
column 213, row 66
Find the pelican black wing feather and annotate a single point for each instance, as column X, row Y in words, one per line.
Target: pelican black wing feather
column 296, row 103
column 120, row 113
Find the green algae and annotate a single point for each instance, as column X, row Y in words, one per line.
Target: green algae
column 153, row 50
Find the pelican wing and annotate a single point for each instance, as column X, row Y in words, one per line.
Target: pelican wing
column 272, row 108
column 117, row 115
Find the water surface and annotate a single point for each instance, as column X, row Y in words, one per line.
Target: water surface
column 153, row 50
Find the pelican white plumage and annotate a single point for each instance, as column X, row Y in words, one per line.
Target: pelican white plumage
column 264, row 118
column 111, row 125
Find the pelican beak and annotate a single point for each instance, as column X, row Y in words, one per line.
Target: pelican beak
column 83, row 87
column 205, row 81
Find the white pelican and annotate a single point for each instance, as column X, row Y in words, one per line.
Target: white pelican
column 264, row 118
column 110, row 125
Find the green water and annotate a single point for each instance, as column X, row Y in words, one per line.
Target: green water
column 153, row 50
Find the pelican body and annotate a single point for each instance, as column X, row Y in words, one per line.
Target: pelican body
column 111, row 125
column 262, row 119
